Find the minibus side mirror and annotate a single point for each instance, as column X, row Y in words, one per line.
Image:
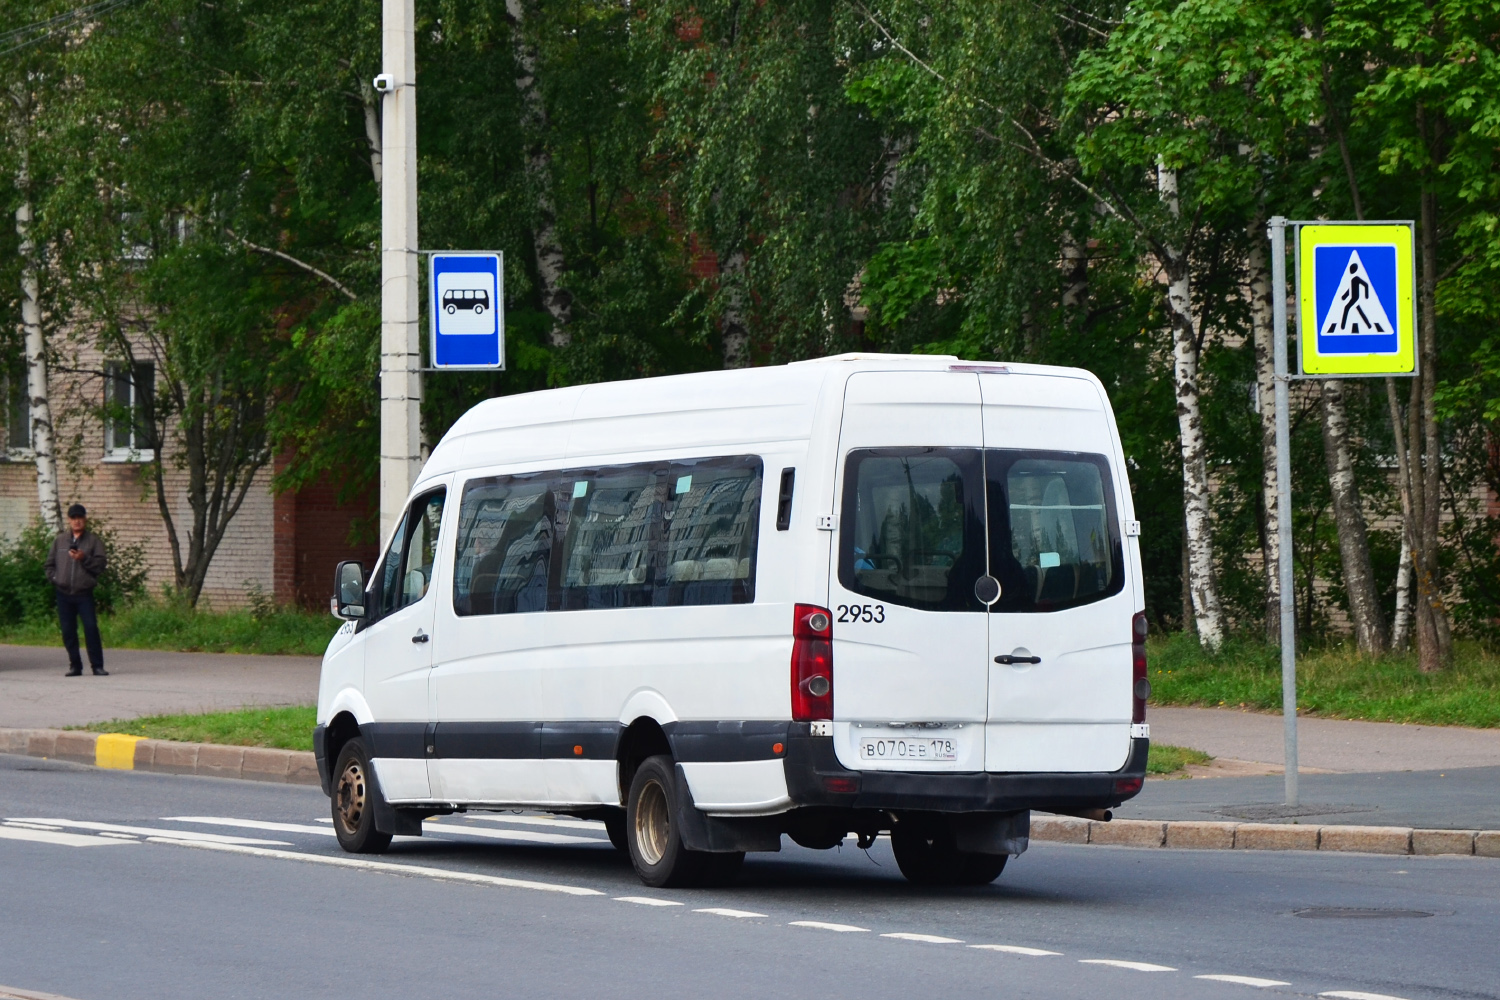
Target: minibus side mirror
column 348, row 590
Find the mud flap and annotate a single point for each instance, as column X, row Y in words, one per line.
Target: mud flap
column 992, row 833
column 718, row 834
column 389, row 819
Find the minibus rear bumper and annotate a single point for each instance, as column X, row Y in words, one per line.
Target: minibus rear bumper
column 814, row 777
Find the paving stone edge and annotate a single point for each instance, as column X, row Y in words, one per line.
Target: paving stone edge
column 292, row 767
column 297, row 767
column 1192, row 834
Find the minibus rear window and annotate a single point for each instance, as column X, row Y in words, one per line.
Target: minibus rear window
column 913, row 527
column 1054, row 532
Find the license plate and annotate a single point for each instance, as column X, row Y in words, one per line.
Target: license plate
column 907, row 748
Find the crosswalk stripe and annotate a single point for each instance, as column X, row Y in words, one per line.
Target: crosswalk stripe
column 150, row 831
column 251, row 824
column 441, row 874
column 57, row 837
column 524, row 836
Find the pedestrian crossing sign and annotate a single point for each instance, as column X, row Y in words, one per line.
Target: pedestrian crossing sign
column 1356, row 306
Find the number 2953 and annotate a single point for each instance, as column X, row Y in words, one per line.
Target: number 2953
column 872, row 614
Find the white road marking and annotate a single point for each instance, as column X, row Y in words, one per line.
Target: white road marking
column 924, row 938
column 31, row 826
column 1118, row 964
column 1015, row 949
column 252, row 824
column 1356, row 995
column 8, row 832
column 647, row 901
column 149, row 831
column 441, row 874
column 1245, row 981
column 574, row 824
column 822, row 926
column 524, row 836
column 118, row 836
column 724, row 911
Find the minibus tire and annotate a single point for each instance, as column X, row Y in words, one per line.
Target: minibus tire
column 928, row 855
column 651, row 829
column 353, row 802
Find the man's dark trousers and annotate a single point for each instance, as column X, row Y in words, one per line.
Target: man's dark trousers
column 70, row 608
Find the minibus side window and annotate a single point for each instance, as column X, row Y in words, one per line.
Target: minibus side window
column 1054, row 533
column 614, row 522
column 711, row 525
column 504, row 550
column 913, row 527
column 390, row 572
column 420, row 556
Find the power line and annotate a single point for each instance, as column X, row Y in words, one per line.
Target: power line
column 41, row 31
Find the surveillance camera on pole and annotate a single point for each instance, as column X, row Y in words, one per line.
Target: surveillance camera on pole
column 384, row 83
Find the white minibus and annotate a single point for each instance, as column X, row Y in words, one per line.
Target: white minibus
column 859, row 595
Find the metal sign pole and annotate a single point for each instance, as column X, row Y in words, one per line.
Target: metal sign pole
column 1284, row 506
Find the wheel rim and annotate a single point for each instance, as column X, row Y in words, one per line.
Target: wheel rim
column 653, row 825
column 351, row 797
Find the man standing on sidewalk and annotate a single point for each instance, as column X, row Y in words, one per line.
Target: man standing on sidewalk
column 73, row 566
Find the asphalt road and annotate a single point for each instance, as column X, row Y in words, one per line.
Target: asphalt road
column 118, row 885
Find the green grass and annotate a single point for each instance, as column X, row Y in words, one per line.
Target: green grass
column 1335, row 683
column 156, row 625
column 281, row 728
column 1167, row 759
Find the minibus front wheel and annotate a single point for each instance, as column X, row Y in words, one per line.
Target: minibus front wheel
column 353, row 800
column 651, row 831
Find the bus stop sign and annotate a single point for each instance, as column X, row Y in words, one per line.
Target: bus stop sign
column 466, row 292
column 1356, row 307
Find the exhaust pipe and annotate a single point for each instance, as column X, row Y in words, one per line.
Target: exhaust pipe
column 1101, row 815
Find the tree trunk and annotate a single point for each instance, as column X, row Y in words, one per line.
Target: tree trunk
column 1195, row 485
column 1435, row 643
column 1349, row 515
column 732, row 327
column 1265, row 388
column 371, row 106
column 38, row 392
column 1401, row 620
column 534, row 126
column 1075, row 294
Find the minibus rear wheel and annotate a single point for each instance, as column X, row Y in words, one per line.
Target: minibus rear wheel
column 656, row 847
column 353, row 802
column 927, row 854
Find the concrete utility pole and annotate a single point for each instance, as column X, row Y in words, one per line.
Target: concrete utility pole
column 400, row 337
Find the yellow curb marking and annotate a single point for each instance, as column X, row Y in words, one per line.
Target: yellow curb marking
column 115, row 750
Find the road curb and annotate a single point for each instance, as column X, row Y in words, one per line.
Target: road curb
column 1195, row 835
column 298, row 767
column 133, row 753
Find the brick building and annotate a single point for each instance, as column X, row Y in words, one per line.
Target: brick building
column 284, row 546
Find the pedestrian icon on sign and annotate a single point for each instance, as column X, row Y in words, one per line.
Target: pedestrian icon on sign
column 1362, row 311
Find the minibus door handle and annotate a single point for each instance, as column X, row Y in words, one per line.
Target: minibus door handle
column 1009, row 658
column 420, row 637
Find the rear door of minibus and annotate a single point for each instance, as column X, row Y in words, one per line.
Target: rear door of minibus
column 1060, row 659
column 910, row 643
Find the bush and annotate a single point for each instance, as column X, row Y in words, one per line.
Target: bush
column 25, row 594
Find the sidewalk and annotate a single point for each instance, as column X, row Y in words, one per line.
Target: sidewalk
column 1334, row 745
column 35, row 694
column 1368, row 773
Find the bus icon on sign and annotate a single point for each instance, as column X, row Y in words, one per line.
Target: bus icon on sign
column 475, row 300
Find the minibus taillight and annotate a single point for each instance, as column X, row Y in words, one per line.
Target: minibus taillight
column 812, row 664
column 1141, row 689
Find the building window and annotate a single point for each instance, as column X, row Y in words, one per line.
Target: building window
column 127, row 431
column 16, row 414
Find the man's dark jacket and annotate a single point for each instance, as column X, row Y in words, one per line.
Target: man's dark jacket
column 75, row 576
